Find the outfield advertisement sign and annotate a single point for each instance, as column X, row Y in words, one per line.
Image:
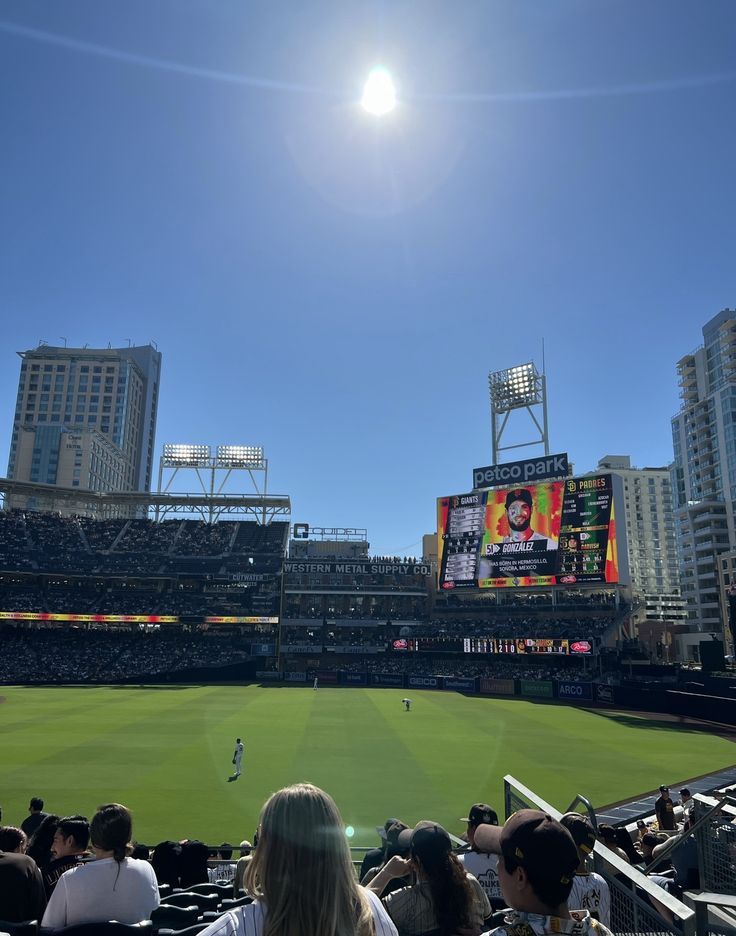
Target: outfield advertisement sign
column 271, row 675
column 574, row 690
column 552, row 533
column 497, row 686
column 355, row 679
column 295, row 677
column 387, row 679
column 424, row 682
column 327, row 676
column 459, row 685
column 539, row 688
column 301, row 648
column 604, row 694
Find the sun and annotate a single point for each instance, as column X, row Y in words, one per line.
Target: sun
column 379, row 94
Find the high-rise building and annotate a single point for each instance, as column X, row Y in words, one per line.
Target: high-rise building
column 86, row 417
column 704, row 474
column 650, row 536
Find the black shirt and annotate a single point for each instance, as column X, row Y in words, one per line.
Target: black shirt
column 22, row 895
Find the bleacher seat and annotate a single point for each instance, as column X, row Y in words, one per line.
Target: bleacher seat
column 168, row 916
column 26, row 928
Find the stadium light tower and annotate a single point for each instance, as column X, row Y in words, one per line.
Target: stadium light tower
column 517, row 388
column 216, row 467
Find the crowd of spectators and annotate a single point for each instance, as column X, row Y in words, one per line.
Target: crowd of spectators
column 75, row 656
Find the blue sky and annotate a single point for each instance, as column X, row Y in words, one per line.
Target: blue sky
column 337, row 287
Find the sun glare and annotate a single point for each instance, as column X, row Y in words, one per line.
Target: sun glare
column 379, row 94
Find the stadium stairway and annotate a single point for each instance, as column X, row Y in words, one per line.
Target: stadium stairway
column 642, row 806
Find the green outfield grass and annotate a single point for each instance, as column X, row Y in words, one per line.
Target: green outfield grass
column 165, row 752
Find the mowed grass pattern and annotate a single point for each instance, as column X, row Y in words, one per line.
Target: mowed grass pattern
column 165, row 752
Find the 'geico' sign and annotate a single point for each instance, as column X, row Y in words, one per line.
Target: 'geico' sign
column 531, row 469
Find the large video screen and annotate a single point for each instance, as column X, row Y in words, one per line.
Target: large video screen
column 554, row 533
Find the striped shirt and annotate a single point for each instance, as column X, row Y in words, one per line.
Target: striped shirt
column 412, row 910
column 590, row 892
column 250, row 919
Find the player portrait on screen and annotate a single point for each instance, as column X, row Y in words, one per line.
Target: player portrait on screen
column 519, row 510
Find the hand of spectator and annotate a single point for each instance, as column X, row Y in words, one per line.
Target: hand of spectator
column 398, row 867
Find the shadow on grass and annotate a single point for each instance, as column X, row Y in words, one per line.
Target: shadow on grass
column 678, row 724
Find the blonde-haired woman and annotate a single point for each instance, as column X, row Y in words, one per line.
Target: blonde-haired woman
column 302, row 877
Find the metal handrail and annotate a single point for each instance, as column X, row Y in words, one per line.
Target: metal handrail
column 581, row 800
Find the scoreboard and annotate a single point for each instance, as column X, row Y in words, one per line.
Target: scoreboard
column 553, row 533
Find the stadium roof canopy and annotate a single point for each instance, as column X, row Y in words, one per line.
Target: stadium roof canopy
column 210, row 507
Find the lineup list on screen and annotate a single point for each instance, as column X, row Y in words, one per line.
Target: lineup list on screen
column 559, row 532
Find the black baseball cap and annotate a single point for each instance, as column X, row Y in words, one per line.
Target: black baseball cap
column 664, row 788
column 534, row 840
column 480, row 814
column 519, row 494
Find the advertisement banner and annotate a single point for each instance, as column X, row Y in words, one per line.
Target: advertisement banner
column 326, row 676
column 604, row 694
column 408, row 569
column 241, row 620
column 497, row 686
column 295, row 677
column 540, row 688
column 354, row 679
column 574, row 690
column 268, row 674
column 90, row 618
column 301, row 648
column 349, row 648
column 459, row 684
column 425, row 682
column 387, row 679
column 263, row 649
column 556, row 532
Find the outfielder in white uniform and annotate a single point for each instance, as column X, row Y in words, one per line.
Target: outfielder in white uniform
column 238, row 756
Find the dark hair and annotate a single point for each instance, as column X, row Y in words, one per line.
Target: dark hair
column 549, row 891
column 77, row 827
column 111, row 829
column 226, row 851
column 36, row 803
column 11, row 837
column 39, row 845
column 165, row 862
column 193, row 863
column 141, row 852
column 606, row 832
column 451, row 893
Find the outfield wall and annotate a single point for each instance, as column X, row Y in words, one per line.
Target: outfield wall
column 649, row 698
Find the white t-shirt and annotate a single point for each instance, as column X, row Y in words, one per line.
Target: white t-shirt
column 249, row 920
column 103, row 890
column 590, row 892
column 485, row 869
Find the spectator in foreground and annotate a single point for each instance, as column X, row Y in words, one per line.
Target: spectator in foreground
column 22, row 895
column 12, row 839
column 39, row 844
column 536, row 871
column 68, row 848
column 114, row 887
column 445, row 898
column 481, row 865
column 240, row 868
column 607, row 835
column 376, row 857
column 396, row 844
column 301, row 875
column 589, row 891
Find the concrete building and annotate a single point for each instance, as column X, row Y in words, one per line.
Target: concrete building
column 650, row 536
column 86, row 417
column 704, row 473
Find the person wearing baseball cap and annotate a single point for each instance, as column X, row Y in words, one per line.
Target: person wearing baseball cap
column 664, row 809
column 444, row 898
column 480, row 864
column 590, row 891
column 519, row 507
column 538, row 860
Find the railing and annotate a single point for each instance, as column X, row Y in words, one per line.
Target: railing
column 715, row 834
column 631, row 911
